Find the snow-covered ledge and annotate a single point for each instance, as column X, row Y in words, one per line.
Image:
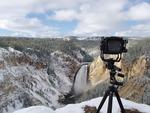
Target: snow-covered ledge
column 79, row 108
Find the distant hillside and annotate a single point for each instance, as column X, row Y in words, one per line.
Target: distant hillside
column 43, row 47
column 138, row 48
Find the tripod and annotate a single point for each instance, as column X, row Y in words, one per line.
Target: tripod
column 112, row 90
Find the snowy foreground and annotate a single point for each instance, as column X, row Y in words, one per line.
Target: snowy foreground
column 79, row 108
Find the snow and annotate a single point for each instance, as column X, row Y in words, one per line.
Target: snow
column 79, row 108
column 62, row 82
column 10, row 49
column 78, row 54
column 36, row 109
column 11, row 108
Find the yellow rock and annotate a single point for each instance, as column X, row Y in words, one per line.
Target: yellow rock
column 98, row 71
column 138, row 67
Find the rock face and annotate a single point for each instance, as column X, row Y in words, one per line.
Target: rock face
column 138, row 67
column 137, row 89
column 137, row 84
column 98, row 71
column 26, row 80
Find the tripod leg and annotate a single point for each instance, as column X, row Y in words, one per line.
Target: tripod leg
column 119, row 101
column 103, row 100
column 109, row 110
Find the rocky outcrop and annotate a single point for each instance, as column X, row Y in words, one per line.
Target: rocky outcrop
column 136, row 86
column 90, row 109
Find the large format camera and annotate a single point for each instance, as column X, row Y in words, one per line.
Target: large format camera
column 113, row 45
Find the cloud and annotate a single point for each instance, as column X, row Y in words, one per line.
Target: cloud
column 64, row 15
column 102, row 17
column 13, row 18
column 115, row 17
column 22, row 7
column 141, row 30
column 28, row 26
column 13, row 15
column 93, row 19
column 139, row 12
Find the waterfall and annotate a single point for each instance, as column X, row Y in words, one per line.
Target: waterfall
column 80, row 82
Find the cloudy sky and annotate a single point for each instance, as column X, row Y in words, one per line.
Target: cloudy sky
column 74, row 17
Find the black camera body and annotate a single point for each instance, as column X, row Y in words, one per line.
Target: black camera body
column 113, row 45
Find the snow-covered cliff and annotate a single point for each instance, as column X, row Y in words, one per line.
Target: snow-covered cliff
column 25, row 80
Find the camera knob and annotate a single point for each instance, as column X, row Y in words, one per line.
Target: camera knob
column 121, row 75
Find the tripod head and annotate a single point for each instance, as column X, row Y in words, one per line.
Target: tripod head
column 114, row 71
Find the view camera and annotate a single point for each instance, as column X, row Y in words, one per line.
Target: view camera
column 113, row 45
